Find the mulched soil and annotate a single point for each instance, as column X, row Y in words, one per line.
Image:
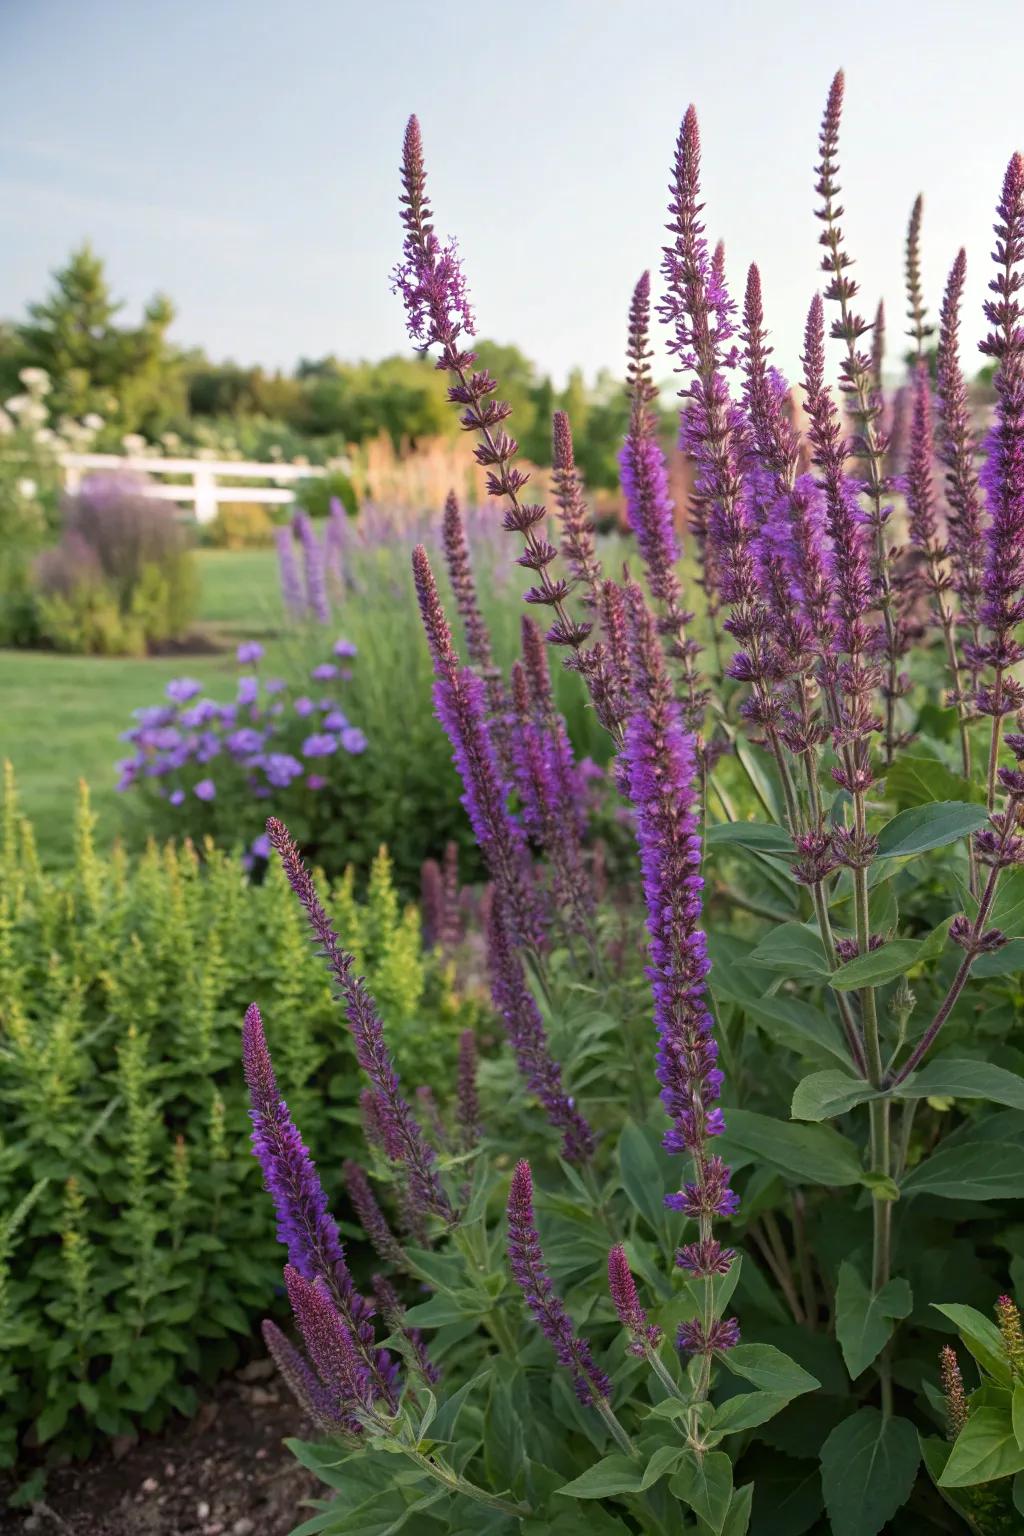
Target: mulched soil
column 226, row 1473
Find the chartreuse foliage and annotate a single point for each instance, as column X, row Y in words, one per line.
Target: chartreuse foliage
column 135, row 1251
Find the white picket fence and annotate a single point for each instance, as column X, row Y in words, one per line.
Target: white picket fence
column 203, row 490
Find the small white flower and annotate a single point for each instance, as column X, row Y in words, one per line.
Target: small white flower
column 27, row 489
column 17, row 403
column 92, row 421
column 133, row 443
column 44, row 436
column 36, row 380
column 6, row 424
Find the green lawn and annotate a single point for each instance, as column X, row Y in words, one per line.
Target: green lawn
column 60, row 716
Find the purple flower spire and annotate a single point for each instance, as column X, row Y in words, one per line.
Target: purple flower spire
column 451, row 930
column 288, row 571
column 622, row 1289
column 526, row 1261
column 332, row 1348
column 541, row 1073
column 317, row 601
column 922, row 517
column 1002, row 476
column 402, row 1135
column 433, row 291
column 478, row 640
column 578, row 548
column 371, row 1217
column 957, row 452
column 661, row 764
column 467, row 1100
column 305, row 1225
column 394, row 1315
column 335, row 535
column 431, row 901
column 649, row 508
column 459, row 704
column 302, row 1381
column 916, row 311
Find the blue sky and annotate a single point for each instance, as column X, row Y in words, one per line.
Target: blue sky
column 241, row 155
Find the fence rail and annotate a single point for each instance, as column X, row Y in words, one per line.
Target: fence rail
column 203, row 491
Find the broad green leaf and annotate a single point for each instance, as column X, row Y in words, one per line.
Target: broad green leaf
column 705, row 1483
column 748, row 1409
column 982, row 1338
column 964, row 1080
column 769, row 1369
column 868, row 1467
column 1001, row 962
column 865, row 1319
column 1018, row 1493
column 1008, row 908
column 929, row 826
column 985, row 1448
column 737, row 1521
column 758, row 836
column 794, row 1022
column 935, row 1454
column 792, row 948
column 442, row 1310
column 878, row 965
column 665, row 1459
column 914, row 780
column 641, row 1176
column 1017, row 1413
column 825, row 1094
column 815, row 1153
column 977, row 1170
column 614, row 1474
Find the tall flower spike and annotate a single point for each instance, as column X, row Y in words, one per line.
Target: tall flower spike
column 878, row 347
column 541, row 1073
column 578, row 548
column 916, row 311
column 330, row 1345
column 432, row 288
column 957, row 451
column 288, row 571
column 567, row 785
column 371, row 1217
column 661, row 765
column 460, row 574
column 467, row 1098
column 402, row 1135
column 305, row 1386
column 526, row 1261
column 305, row 1225
column 952, row 1391
column 622, row 1289
column 317, row 602
column 1008, row 1318
column 458, row 701
column 1002, row 477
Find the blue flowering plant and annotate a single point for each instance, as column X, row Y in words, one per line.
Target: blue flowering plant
column 207, row 767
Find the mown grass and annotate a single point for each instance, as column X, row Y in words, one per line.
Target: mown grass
column 61, row 716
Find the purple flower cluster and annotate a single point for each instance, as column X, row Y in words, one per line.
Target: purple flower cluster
column 526, row 1261
column 622, row 1289
column 191, row 747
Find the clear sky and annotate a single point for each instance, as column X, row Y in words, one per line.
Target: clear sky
column 241, row 155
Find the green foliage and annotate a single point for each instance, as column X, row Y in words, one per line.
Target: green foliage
column 136, row 1251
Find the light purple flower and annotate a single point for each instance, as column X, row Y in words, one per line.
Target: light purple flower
column 353, row 740
column 261, row 846
column 248, row 690
column 177, row 797
column 181, row 689
column 303, row 706
column 281, row 768
column 319, row 745
column 344, row 648
column 334, row 720
column 324, row 672
column 244, row 742
column 316, row 781
column 206, row 789
column 275, row 685
column 249, row 651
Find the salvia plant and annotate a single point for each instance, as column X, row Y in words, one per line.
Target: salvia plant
column 135, row 1253
column 723, row 1311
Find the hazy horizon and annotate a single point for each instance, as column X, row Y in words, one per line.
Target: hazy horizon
column 243, row 159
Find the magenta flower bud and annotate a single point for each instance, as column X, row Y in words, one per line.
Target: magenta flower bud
column 622, row 1289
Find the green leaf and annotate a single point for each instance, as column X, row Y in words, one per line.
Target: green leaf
column 793, row 1021
column 815, row 1153
column 865, row 1319
column 946, row 1078
column 1018, row 1493
column 769, row 1369
column 868, row 1467
column 705, row 1483
column 982, row 1338
column 929, row 826
column 737, row 1521
column 614, row 1474
column 792, row 948
column 1002, row 962
column 758, row 836
column 985, row 1448
column 1017, row 1413
column 972, row 1170
column 914, row 780
column 878, row 965
column 641, row 1175
column 439, row 1311
column 748, row 1409
column 935, row 1454
column 829, row 1093
column 665, row 1459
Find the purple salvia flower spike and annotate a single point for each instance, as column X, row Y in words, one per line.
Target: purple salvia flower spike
column 526, row 1261
column 956, row 448
column 451, row 931
column 429, row 276
column 288, row 571
column 305, row 1386
column 578, row 549
column 541, row 1073
column 401, row 1134
column 317, row 601
column 459, row 703
column 622, row 1289
column 371, row 1217
column 394, row 1314
column 467, row 1098
column 329, row 1344
column 916, row 311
